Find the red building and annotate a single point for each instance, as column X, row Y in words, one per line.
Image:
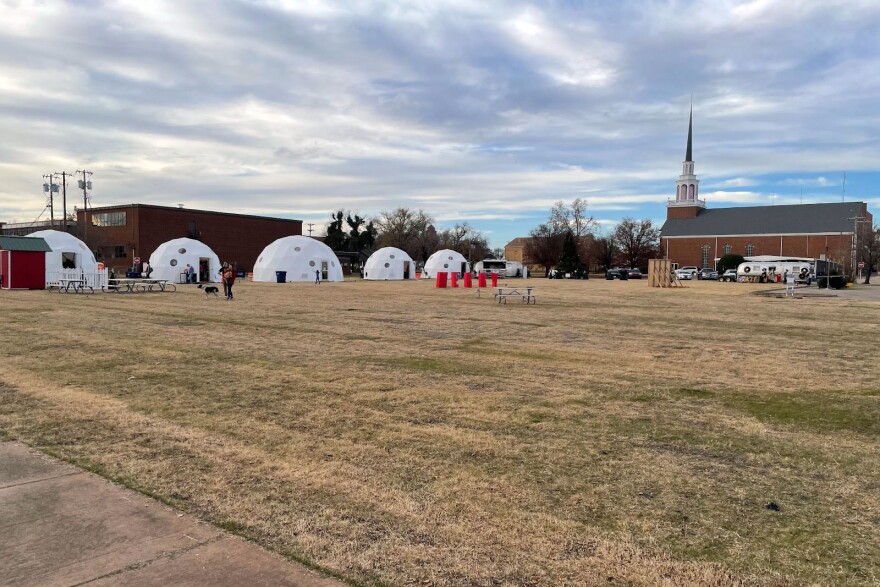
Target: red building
column 696, row 235
column 23, row 262
column 119, row 234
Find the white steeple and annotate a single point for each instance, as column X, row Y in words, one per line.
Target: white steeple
column 687, row 188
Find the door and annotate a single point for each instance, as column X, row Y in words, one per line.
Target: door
column 407, row 267
column 4, row 269
column 204, row 270
column 324, row 271
column 463, row 268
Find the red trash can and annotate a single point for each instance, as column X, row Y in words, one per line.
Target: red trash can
column 481, row 279
column 468, row 282
column 494, row 279
column 453, row 279
column 441, row 280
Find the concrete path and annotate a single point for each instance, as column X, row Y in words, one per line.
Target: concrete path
column 63, row 527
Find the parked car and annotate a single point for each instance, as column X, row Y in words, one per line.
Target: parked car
column 612, row 274
column 708, row 274
column 634, row 273
column 728, row 275
column 686, row 272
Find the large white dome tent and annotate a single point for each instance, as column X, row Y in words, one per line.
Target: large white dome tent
column 389, row 263
column 170, row 259
column 446, row 261
column 68, row 253
column 300, row 257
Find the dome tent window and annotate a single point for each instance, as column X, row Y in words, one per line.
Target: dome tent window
column 182, row 250
column 173, row 262
column 297, row 249
column 311, row 263
column 387, row 265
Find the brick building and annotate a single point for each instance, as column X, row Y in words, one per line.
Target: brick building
column 118, row 234
column 696, row 235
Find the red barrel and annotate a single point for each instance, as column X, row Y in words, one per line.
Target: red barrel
column 481, row 279
column 494, row 279
column 468, row 282
column 441, row 279
column 453, row 279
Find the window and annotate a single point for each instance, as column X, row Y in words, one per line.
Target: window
column 727, row 249
column 705, row 260
column 109, row 219
column 750, row 250
column 119, row 252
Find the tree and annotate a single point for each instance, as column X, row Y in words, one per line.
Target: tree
column 497, row 253
column 569, row 259
column 604, row 252
column 464, row 239
column 638, row 240
column 544, row 246
column 572, row 217
column 407, row 230
column 869, row 248
column 360, row 235
column 335, row 238
column 729, row 261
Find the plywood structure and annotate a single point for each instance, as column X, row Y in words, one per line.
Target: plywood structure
column 660, row 274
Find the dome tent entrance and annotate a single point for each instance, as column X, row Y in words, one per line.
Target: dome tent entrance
column 389, row 263
column 68, row 253
column 446, row 261
column 170, row 259
column 299, row 256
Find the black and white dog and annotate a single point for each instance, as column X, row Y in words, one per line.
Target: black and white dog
column 210, row 289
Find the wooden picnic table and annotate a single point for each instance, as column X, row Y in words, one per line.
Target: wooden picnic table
column 128, row 285
column 525, row 292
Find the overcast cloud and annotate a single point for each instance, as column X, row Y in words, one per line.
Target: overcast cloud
column 478, row 111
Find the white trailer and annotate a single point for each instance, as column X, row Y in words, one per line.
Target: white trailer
column 504, row 268
column 773, row 269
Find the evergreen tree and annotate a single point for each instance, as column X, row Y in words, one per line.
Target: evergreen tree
column 569, row 260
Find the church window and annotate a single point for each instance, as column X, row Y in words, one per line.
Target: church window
column 705, row 259
column 750, row 250
column 727, row 249
column 691, row 192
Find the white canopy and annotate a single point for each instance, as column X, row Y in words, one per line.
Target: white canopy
column 300, row 257
column 66, row 250
column 389, row 263
column 170, row 259
column 446, row 261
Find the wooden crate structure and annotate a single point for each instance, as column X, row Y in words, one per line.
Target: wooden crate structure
column 660, row 274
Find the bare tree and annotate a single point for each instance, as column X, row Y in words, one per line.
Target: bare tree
column 545, row 245
column 464, row 239
column 573, row 217
column 638, row 240
column 869, row 248
column 405, row 229
column 604, row 252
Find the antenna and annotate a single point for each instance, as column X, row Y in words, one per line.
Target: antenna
column 310, row 225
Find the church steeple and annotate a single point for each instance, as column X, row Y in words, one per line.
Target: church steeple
column 689, row 156
column 687, row 187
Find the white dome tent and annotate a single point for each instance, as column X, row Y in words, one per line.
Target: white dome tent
column 389, row 263
column 300, row 257
column 446, row 261
column 68, row 254
column 170, row 259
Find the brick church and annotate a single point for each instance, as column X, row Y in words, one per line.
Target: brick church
column 696, row 235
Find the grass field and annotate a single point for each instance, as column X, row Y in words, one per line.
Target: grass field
column 394, row 434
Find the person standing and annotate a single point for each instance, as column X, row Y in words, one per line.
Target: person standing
column 228, row 280
column 191, row 274
column 317, row 277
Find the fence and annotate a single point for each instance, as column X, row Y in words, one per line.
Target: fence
column 94, row 279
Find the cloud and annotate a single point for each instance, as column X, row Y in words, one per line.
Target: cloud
column 487, row 111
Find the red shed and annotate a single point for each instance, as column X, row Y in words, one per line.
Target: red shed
column 23, row 262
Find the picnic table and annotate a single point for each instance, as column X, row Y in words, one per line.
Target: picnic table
column 74, row 285
column 139, row 285
column 161, row 284
column 525, row 292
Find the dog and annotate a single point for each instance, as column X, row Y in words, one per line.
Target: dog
column 210, row 289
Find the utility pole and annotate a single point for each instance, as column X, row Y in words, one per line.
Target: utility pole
column 310, row 225
column 51, row 188
column 86, row 184
column 63, row 175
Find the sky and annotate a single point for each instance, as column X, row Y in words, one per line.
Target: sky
column 483, row 112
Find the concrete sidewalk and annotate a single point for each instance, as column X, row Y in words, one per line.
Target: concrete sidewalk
column 63, row 527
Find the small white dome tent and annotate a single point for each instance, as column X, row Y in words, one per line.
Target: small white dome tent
column 300, row 257
column 389, row 263
column 170, row 259
column 68, row 252
column 446, row 261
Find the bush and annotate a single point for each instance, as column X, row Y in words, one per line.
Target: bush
column 837, row 282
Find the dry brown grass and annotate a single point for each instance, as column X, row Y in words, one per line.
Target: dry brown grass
column 395, row 434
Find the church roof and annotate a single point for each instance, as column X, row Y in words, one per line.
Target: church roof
column 789, row 219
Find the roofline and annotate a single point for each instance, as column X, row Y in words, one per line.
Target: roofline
column 757, row 234
column 157, row 207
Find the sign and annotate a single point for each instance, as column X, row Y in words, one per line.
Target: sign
column 137, row 260
column 861, row 264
